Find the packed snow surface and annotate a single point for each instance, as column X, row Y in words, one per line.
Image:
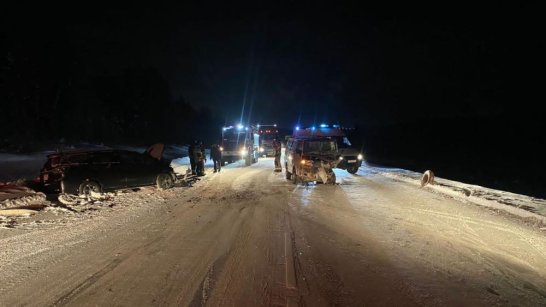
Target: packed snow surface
column 247, row 236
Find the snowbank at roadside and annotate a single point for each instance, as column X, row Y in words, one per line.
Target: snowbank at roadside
column 517, row 204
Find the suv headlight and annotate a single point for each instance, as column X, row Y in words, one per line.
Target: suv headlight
column 306, row 162
column 360, row 157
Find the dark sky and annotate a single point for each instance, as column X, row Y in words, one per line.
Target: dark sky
column 352, row 64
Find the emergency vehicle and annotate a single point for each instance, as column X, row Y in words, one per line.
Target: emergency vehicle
column 311, row 155
column 240, row 142
column 267, row 135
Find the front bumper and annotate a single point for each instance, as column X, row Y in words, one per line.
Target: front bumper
column 349, row 162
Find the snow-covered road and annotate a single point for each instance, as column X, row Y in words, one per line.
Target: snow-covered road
column 248, row 237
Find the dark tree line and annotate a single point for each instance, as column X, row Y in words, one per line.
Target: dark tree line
column 44, row 102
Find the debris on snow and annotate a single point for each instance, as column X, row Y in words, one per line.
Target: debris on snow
column 12, row 196
column 427, row 178
column 517, row 204
column 17, row 212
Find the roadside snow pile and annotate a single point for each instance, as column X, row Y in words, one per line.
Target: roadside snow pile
column 74, row 208
column 15, row 196
column 521, row 205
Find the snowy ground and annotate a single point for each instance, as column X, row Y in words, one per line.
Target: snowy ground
column 247, row 236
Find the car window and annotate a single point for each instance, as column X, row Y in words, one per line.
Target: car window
column 75, row 159
column 344, row 142
column 105, row 157
column 128, row 158
column 298, row 146
column 289, row 145
column 136, row 158
column 319, row 146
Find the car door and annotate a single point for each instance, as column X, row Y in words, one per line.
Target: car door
column 141, row 169
column 288, row 155
column 108, row 170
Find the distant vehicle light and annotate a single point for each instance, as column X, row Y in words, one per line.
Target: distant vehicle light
column 302, row 161
column 323, row 125
column 224, row 129
column 246, row 128
column 258, row 125
column 313, row 128
column 244, row 152
column 360, row 157
column 262, row 149
column 221, row 148
column 340, row 158
column 274, row 125
column 239, row 126
column 290, row 157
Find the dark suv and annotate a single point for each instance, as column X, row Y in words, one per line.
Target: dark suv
column 80, row 172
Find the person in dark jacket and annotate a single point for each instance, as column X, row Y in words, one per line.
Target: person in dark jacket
column 216, row 156
column 277, row 146
column 191, row 154
column 199, row 156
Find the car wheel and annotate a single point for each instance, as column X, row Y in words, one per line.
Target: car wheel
column 294, row 176
column 87, row 187
column 288, row 174
column 331, row 178
column 353, row 169
column 164, row 181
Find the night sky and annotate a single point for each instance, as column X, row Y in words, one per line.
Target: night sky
column 446, row 75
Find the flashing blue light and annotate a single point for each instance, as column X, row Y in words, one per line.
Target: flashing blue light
column 323, row 125
column 297, row 127
column 246, row 128
column 313, row 128
column 335, row 126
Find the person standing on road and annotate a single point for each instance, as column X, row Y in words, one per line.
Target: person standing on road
column 199, row 156
column 277, row 146
column 216, row 156
column 191, row 154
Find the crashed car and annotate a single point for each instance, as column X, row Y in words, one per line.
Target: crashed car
column 311, row 158
column 83, row 172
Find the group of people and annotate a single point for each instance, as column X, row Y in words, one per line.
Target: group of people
column 196, row 152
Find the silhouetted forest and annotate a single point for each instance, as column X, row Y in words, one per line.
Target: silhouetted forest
column 46, row 100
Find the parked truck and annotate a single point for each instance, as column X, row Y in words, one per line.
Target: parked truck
column 267, row 134
column 240, row 142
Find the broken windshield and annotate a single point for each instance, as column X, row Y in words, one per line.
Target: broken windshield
column 319, row 146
